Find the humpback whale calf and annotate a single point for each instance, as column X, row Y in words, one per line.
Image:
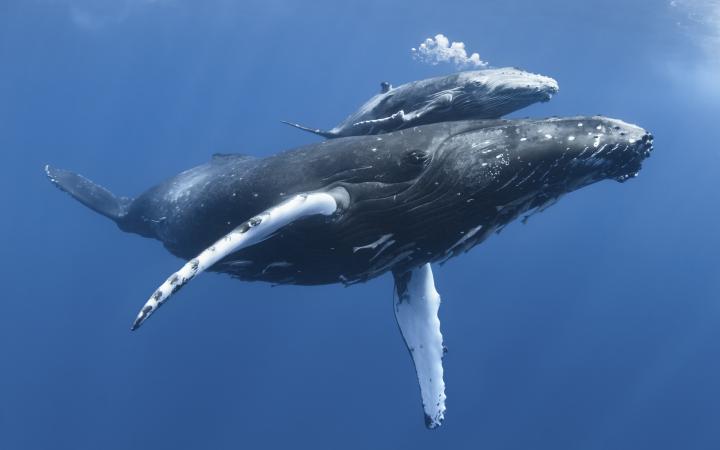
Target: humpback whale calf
column 476, row 94
column 348, row 210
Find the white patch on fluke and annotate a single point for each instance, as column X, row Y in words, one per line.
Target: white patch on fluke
column 440, row 49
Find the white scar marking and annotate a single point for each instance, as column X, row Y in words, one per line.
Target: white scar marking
column 392, row 262
column 571, row 138
column 548, row 136
column 276, row 264
column 382, row 249
column 464, row 238
column 381, row 240
column 527, row 177
column 238, row 263
column 514, row 177
column 523, row 139
column 598, row 151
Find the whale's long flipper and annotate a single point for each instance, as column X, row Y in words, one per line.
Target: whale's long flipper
column 416, row 309
column 319, row 132
column 402, row 119
column 250, row 232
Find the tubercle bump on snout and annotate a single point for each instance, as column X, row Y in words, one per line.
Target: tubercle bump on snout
column 643, row 151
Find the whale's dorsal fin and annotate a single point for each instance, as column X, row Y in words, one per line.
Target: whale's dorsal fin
column 319, row 132
column 251, row 232
column 416, row 308
column 385, row 87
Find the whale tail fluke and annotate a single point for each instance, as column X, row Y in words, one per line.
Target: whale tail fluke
column 319, row 132
column 88, row 193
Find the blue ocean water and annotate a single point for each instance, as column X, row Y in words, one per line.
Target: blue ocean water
column 594, row 326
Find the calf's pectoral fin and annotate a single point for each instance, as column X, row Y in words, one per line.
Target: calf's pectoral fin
column 397, row 119
column 441, row 102
column 416, row 308
column 251, row 232
column 318, row 131
column 405, row 119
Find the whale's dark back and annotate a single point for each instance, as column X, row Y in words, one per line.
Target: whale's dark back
column 193, row 209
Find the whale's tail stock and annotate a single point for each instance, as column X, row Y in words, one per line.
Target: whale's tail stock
column 89, row 194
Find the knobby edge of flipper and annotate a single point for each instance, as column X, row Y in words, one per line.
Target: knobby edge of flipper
column 253, row 231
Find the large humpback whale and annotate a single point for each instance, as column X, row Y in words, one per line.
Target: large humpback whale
column 476, row 94
column 348, row 210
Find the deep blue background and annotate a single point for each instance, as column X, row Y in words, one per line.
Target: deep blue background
column 594, row 326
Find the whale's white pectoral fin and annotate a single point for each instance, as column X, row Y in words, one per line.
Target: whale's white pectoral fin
column 440, row 102
column 416, row 311
column 396, row 119
column 251, row 232
column 402, row 118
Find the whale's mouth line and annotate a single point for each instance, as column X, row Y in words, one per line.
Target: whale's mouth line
column 643, row 149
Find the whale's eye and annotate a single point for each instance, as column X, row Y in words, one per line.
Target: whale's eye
column 416, row 157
